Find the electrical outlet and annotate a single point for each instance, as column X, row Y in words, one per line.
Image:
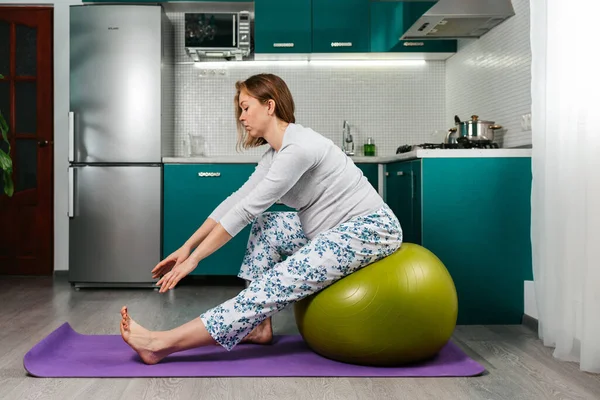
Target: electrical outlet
column 213, row 72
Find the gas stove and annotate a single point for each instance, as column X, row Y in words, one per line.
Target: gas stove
column 463, row 143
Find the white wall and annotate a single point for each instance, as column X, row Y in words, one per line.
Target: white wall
column 491, row 77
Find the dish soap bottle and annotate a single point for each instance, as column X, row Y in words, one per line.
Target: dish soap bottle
column 369, row 148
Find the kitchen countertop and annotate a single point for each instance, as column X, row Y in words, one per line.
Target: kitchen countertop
column 412, row 155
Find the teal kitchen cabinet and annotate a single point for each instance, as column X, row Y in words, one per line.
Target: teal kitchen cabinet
column 282, row 26
column 340, row 26
column 403, row 195
column 390, row 19
column 191, row 193
column 473, row 214
column 371, row 172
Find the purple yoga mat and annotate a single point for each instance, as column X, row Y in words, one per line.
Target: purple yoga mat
column 66, row 353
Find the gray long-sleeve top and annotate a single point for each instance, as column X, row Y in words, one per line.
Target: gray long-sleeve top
column 310, row 174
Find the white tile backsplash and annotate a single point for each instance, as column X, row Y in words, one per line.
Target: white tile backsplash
column 490, row 77
column 395, row 105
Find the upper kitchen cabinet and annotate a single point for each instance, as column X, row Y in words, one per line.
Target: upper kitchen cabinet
column 340, row 26
column 282, row 26
column 391, row 19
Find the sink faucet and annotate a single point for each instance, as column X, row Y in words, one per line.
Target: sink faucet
column 347, row 141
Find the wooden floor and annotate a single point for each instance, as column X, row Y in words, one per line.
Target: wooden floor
column 518, row 365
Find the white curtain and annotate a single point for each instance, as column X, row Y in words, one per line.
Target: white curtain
column 565, row 203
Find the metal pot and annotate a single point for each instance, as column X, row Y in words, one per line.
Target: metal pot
column 475, row 129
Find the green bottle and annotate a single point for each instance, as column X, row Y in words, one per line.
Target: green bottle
column 369, row 148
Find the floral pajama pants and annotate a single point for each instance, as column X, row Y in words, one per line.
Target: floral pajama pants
column 309, row 266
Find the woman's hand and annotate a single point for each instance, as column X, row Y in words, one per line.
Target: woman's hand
column 179, row 264
column 173, row 260
column 173, row 277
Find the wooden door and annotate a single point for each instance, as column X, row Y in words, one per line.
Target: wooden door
column 26, row 101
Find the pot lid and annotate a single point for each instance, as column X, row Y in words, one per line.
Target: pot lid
column 475, row 120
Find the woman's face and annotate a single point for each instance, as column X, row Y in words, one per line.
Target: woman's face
column 255, row 116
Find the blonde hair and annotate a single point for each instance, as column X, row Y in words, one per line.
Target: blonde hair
column 263, row 87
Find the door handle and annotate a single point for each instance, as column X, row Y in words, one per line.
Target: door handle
column 44, row 143
column 71, row 136
column 71, row 200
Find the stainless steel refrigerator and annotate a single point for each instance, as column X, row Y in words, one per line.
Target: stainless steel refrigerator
column 120, row 122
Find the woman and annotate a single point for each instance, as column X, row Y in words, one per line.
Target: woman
column 342, row 224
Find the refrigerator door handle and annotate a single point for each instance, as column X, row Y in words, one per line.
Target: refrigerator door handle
column 71, row 200
column 71, row 136
column 234, row 29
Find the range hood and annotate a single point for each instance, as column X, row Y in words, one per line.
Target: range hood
column 456, row 19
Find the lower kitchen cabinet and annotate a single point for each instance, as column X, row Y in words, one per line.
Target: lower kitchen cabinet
column 192, row 191
column 403, row 195
column 371, row 172
column 473, row 214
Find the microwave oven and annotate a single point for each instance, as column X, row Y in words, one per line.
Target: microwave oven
column 218, row 34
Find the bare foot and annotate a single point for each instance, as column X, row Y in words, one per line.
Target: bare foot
column 262, row 334
column 143, row 341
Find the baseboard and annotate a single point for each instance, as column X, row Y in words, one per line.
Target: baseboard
column 190, row 280
column 530, row 322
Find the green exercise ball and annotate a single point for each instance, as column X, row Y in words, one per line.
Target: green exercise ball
column 398, row 310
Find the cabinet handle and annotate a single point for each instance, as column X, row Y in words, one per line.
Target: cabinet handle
column 283, row 44
column 413, row 44
column 341, row 44
column 209, row 174
column 412, row 181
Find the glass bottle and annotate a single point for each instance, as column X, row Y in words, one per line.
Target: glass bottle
column 369, row 148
